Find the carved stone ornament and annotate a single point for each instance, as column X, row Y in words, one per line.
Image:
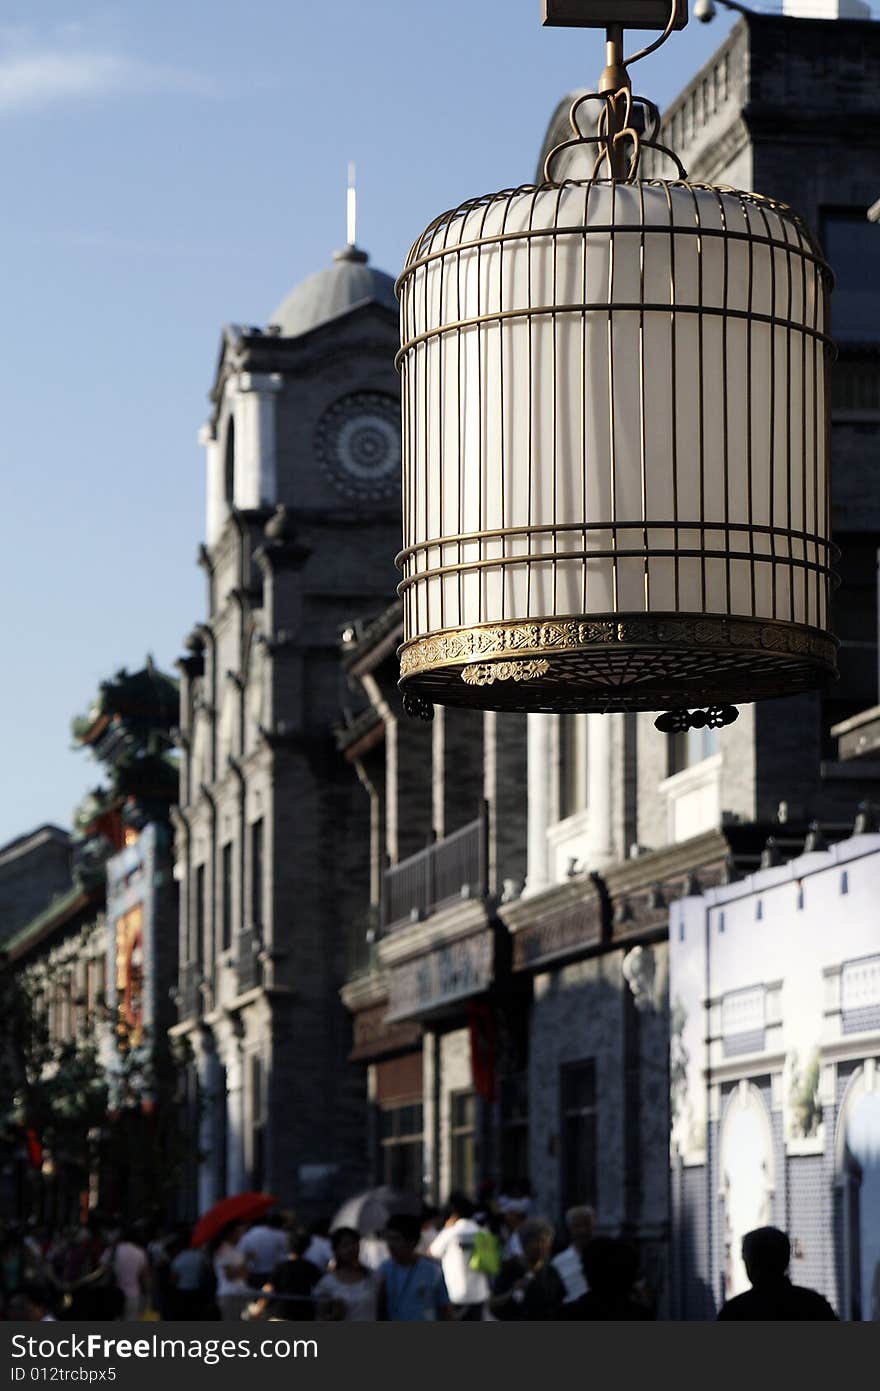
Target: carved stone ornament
column 639, row 970
column 358, row 444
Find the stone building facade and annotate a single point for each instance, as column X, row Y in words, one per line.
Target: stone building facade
column 93, row 968
column 437, row 1016
column 303, row 497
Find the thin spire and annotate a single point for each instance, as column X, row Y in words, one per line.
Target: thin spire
column 351, row 207
column 351, row 251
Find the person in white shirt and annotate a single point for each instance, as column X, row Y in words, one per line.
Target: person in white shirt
column 569, row 1263
column 230, row 1269
column 320, row 1248
column 264, row 1247
column 129, row 1264
column 453, row 1247
column 514, row 1212
column 430, row 1228
column 350, row 1290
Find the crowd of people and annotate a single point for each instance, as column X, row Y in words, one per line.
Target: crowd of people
column 500, row 1261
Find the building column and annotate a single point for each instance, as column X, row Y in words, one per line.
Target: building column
column 209, row 1182
column 215, row 513
column 255, row 471
column 600, row 778
column 431, row 1109
column 230, row 1042
column 541, row 800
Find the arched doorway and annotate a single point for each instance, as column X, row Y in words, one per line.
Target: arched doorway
column 858, row 1176
column 746, row 1178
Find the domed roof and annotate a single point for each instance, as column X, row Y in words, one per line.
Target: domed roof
column 350, row 281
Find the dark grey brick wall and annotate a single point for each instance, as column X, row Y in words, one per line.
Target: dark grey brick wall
column 807, row 1223
column 458, row 768
column 692, row 1296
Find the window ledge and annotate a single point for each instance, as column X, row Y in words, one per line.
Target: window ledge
column 568, row 846
column 575, row 825
column 693, row 799
column 695, row 776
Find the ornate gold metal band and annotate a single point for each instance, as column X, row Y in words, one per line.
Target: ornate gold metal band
column 623, row 662
column 491, row 641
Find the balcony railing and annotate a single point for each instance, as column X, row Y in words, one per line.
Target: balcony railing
column 250, row 960
column 450, row 869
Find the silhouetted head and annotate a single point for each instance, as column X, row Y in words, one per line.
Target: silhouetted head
column 459, row 1205
column 611, row 1266
column 402, row 1236
column 766, row 1253
column 579, row 1221
column 346, row 1247
column 298, row 1243
column 536, row 1238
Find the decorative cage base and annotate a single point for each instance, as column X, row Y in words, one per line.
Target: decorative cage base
column 613, row 662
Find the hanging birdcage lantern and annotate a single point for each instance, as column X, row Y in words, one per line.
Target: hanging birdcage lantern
column 615, row 436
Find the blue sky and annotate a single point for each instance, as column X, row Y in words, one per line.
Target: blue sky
column 167, row 168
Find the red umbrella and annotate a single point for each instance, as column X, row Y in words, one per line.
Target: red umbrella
column 241, row 1207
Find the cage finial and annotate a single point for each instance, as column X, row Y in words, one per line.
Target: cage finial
column 626, row 122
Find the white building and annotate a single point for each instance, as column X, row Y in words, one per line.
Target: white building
column 774, row 987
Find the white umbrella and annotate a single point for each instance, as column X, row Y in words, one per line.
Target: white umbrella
column 369, row 1212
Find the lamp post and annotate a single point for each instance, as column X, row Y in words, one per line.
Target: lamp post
column 615, row 431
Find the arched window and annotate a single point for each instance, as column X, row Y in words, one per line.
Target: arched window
column 229, row 465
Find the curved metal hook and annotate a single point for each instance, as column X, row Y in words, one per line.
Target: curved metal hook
column 652, row 47
column 568, row 145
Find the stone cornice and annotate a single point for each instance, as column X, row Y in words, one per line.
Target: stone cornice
column 362, row 992
column 461, row 920
column 253, row 349
column 289, row 554
column 748, row 1065
column 378, row 641
column 628, row 903
column 365, row 730
column 524, row 911
column 376, row 1036
column 859, row 735
column 672, row 861
column 568, row 920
